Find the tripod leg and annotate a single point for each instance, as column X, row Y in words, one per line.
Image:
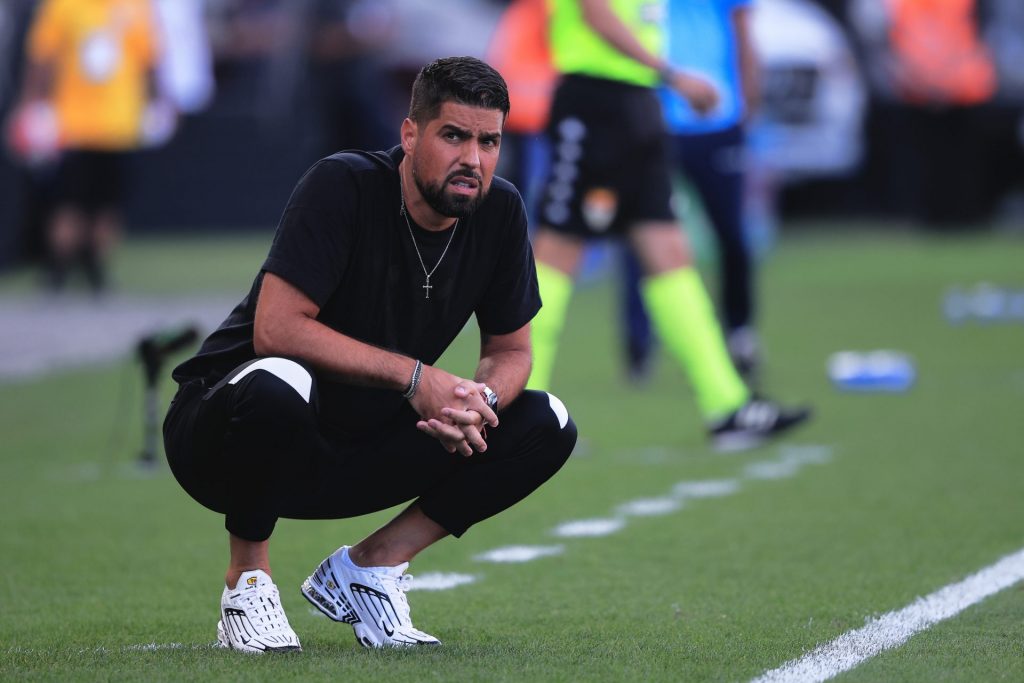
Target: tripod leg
column 149, row 443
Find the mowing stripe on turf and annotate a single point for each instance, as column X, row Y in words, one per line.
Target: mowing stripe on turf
column 895, row 628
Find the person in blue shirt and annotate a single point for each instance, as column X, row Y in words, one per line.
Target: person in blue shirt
column 711, row 38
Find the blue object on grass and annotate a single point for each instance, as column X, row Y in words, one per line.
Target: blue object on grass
column 872, row 371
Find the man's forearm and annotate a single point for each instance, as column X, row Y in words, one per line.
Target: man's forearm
column 505, row 372
column 350, row 360
column 286, row 324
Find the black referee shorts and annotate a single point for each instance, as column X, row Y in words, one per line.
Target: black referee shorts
column 610, row 164
column 252, row 447
column 91, row 180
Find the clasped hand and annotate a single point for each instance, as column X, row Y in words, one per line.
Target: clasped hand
column 453, row 411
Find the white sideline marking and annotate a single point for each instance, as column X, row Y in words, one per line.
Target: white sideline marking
column 440, row 581
column 142, row 647
column 711, row 488
column 895, row 628
column 649, row 507
column 807, row 455
column 153, row 647
column 781, row 469
column 793, row 458
column 588, row 528
column 519, row 553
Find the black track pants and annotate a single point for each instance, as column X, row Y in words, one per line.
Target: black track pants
column 252, row 448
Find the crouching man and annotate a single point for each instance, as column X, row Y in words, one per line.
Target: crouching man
column 317, row 398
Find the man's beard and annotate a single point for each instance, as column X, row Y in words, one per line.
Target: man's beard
column 454, row 206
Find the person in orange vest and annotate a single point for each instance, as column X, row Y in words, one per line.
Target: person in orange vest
column 938, row 56
column 943, row 72
column 520, row 51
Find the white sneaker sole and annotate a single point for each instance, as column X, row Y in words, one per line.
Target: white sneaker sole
column 224, row 642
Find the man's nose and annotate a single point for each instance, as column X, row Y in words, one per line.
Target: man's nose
column 470, row 154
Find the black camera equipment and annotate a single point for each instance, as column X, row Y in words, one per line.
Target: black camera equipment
column 153, row 350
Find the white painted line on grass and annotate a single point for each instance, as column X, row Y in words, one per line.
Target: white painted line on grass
column 589, row 528
column 792, row 460
column 154, row 647
column 809, row 454
column 710, row 488
column 778, row 469
column 519, row 553
column 102, row 650
column 440, row 581
column 895, row 628
column 793, row 457
column 649, row 507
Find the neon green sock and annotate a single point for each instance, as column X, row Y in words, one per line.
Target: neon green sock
column 685, row 322
column 546, row 328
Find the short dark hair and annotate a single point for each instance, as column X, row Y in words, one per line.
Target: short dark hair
column 464, row 80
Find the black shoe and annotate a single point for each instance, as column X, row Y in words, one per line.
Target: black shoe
column 753, row 423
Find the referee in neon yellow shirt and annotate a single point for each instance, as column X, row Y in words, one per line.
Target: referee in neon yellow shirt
column 610, row 177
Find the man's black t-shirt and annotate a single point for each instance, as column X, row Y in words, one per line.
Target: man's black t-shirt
column 343, row 242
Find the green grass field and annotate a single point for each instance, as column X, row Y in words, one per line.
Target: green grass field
column 893, row 496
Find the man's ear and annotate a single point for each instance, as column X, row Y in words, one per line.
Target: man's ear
column 410, row 131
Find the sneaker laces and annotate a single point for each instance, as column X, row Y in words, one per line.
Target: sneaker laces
column 263, row 607
column 396, row 587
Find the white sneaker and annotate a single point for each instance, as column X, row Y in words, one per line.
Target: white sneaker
column 371, row 599
column 252, row 619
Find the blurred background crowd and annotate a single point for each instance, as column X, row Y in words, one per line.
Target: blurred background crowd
column 903, row 109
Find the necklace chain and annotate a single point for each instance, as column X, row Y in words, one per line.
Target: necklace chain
column 405, row 214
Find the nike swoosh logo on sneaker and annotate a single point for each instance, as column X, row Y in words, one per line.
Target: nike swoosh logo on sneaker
column 387, row 630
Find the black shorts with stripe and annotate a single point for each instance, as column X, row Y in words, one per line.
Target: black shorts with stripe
column 609, row 158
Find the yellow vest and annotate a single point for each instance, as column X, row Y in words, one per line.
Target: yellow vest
column 577, row 49
column 100, row 52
